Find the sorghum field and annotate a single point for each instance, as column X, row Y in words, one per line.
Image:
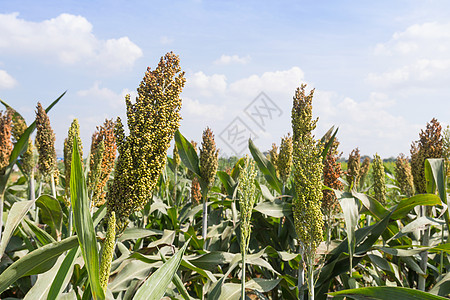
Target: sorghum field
column 124, row 219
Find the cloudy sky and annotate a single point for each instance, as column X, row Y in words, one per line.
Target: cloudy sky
column 380, row 69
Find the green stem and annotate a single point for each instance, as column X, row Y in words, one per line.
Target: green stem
column 424, row 254
column 52, row 181
column 1, row 214
column 311, row 280
column 243, row 276
column 301, row 274
column 205, row 216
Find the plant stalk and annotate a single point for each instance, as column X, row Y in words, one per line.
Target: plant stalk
column 424, row 255
column 301, row 274
column 243, row 276
column 205, row 216
column 52, row 182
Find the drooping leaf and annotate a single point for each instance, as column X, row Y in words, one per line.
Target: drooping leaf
column 83, row 223
column 265, row 166
column 34, row 260
column 187, row 153
column 155, row 287
column 386, row 293
column 64, row 274
column 15, row 215
column 50, row 213
column 406, row 205
column 277, row 208
column 350, row 208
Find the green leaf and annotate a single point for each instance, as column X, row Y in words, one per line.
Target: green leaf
column 435, row 177
column 372, row 205
column 406, row 205
column 265, row 166
column 386, row 293
column 42, row 236
column 187, row 153
column 155, row 287
column 15, row 215
column 83, row 224
column 50, row 213
column 350, row 208
column 231, row 291
column 178, row 283
column 227, row 181
column 328, row 140
column 34, row 260
column 276, row 209
column 64, row 274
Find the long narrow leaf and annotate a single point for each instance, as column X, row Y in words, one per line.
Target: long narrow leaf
column 15, row 215
column 64, row 273
column 386, row 293
column 33, row 260
column 83, row 223
column 155, row 287
column 187, row 153
column 265, row 166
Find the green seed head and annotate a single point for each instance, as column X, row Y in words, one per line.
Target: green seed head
column 247, row 199
column 152, row 122
column 74, row 133
column 284, row 161
column 45, row 142
column 209, row 157
column 379, row 185
column 308, row 169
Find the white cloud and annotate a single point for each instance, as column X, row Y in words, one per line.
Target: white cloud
column 205, row 111
column 419, row 57
column 68, row 39
column 6, row 80
column 230, row 59
column 206, row 85
column 107, row 96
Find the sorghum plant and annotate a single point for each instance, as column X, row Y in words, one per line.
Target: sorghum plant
column 308, row 169
column 103, row 155
column 331, row 174
column 284, row 160
column 6, row 144
column 404, row 176
column 247, row 199
column 273, row 156
column 152, row 122
column 429, row 145
column 353, row 168
column 209, row 161
column 74, row 133
column 379, row 182
column 19, row 126
column 365, row 166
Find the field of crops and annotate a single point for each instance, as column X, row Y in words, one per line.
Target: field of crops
column 123, row 218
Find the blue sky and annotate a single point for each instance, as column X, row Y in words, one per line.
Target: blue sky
column 380, row 69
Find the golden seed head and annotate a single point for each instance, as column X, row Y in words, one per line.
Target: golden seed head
column 273, row 156
column 209, row 157
column 152, row 122
column 404, row 176
column 103, row 155
column 45, row 142
column 176, row 157
column 196, row 193
column 331, row 174
column 6, row 144
column 353, row 168
column 429, row 145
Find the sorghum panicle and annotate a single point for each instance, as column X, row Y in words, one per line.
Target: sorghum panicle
column 19, row 126
column 45, row 142
column 308, row 170
column 176, row 157
column 404, row 176
column 353, row 168
column 284, row 160
column 247, row 199
column 365, row 167
column 429, row 145
column 446, row 148
column 379, row 181
column 209, row 157
column 331, row 174
column 103, row 155
column 152, row 122
column 74, row 133
column 196, row 193
column 273, row 156
column 6, row 144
